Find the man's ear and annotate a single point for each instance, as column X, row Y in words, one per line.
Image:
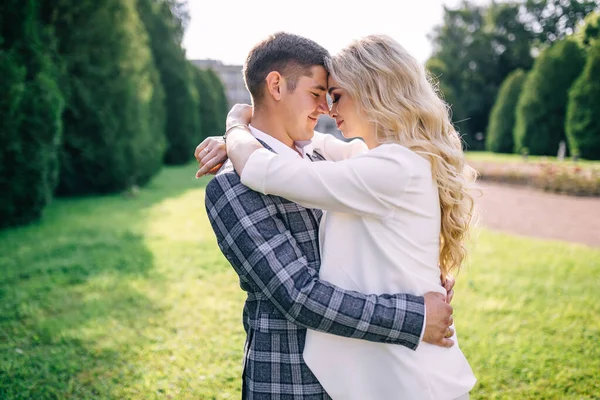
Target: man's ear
column 275, row 84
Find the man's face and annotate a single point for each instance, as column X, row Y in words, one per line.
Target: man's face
column 303, row 106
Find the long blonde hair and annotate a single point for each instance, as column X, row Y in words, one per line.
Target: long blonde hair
column 396, row 94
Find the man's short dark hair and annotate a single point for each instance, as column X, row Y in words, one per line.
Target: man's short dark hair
column 291, row 55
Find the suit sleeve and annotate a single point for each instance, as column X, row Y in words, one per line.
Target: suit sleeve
column 264, row 253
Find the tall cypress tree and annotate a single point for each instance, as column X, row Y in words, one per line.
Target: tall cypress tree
column 221, row 106
column 213, row 106
column 583, row 124
column 182, row 99
column 541, row 109
column 30, row 109
column 113, row 122
column 499, row 137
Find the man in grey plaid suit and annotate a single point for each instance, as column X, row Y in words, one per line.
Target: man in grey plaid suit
column 273, row 243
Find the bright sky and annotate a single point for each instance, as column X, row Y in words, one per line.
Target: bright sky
column 227, row 29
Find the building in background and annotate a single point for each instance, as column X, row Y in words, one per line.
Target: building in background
column 232, row 78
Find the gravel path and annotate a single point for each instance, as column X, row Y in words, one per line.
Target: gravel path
column 532, row 212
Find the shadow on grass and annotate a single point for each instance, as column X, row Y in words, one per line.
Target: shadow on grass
column 70, row 297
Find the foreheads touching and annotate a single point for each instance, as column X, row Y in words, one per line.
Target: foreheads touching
column 290, row 55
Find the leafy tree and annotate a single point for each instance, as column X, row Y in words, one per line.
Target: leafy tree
column 182, row 100
column 213, row 102
column 474, row 50
column 114, row 120
column 478, row 46
column 540, row 116
column 499, row 138
column 221, row 106
column 30, row 109
column 553, row 20
column 589, row 31
column 583, row 124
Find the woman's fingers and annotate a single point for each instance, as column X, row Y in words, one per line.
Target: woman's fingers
column 200, row 149
column 211, row 159
column 208, row 167
column 219, row 152
column 210, row 154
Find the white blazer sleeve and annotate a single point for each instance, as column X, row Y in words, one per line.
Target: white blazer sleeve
column 365, row 185
column 335, row 149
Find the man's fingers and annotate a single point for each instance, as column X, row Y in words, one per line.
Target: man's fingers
column 446, row 342
column 438, row 295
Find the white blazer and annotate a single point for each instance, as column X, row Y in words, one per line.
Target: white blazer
column 380, row 234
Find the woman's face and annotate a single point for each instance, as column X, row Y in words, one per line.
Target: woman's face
column 344, row 109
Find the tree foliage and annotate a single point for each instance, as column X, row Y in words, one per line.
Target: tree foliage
column 540, row 116
column 552, row 20
column 477, row 47
column 114, row 120
column 583, row 124
column 589, row 32
column 213, row 106
column 181, row 101
column 30, row 108
column 499, row 138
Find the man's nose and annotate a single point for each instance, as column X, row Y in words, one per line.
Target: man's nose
column 323, row 107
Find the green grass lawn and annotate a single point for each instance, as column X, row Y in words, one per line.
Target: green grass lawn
column 130, row 298
column 486, row 156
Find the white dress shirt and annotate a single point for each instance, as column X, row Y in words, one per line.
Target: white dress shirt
column 305, row 148
column 381, row 235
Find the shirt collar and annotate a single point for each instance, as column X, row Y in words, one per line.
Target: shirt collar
column 305, row 147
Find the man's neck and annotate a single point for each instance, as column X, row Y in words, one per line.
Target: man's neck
column 262, row 121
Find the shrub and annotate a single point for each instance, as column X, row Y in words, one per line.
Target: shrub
column 30, row 109
column 181, row 97
column 213, row 106
column 113, row 124
column 583, row 122
column 499, row 138
column 541, row 109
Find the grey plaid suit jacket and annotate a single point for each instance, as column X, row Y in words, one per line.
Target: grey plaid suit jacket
column 273, row 246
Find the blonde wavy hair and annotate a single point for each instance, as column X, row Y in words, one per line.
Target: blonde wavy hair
column 398, row 96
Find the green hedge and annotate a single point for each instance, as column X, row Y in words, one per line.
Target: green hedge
column 541, row 109
column 181, row 100
column 114, row 120
column 213, row 106
column 583, row 113
column 589, row 31
column 499, row 137
column 30, row 108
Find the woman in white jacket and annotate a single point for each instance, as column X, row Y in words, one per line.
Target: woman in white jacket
column 398, row 203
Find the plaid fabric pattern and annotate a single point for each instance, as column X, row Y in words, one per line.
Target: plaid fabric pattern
column 273, row 246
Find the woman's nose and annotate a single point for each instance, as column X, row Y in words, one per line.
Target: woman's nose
column 333, row 111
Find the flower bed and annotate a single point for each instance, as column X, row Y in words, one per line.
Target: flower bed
column 568, row 178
